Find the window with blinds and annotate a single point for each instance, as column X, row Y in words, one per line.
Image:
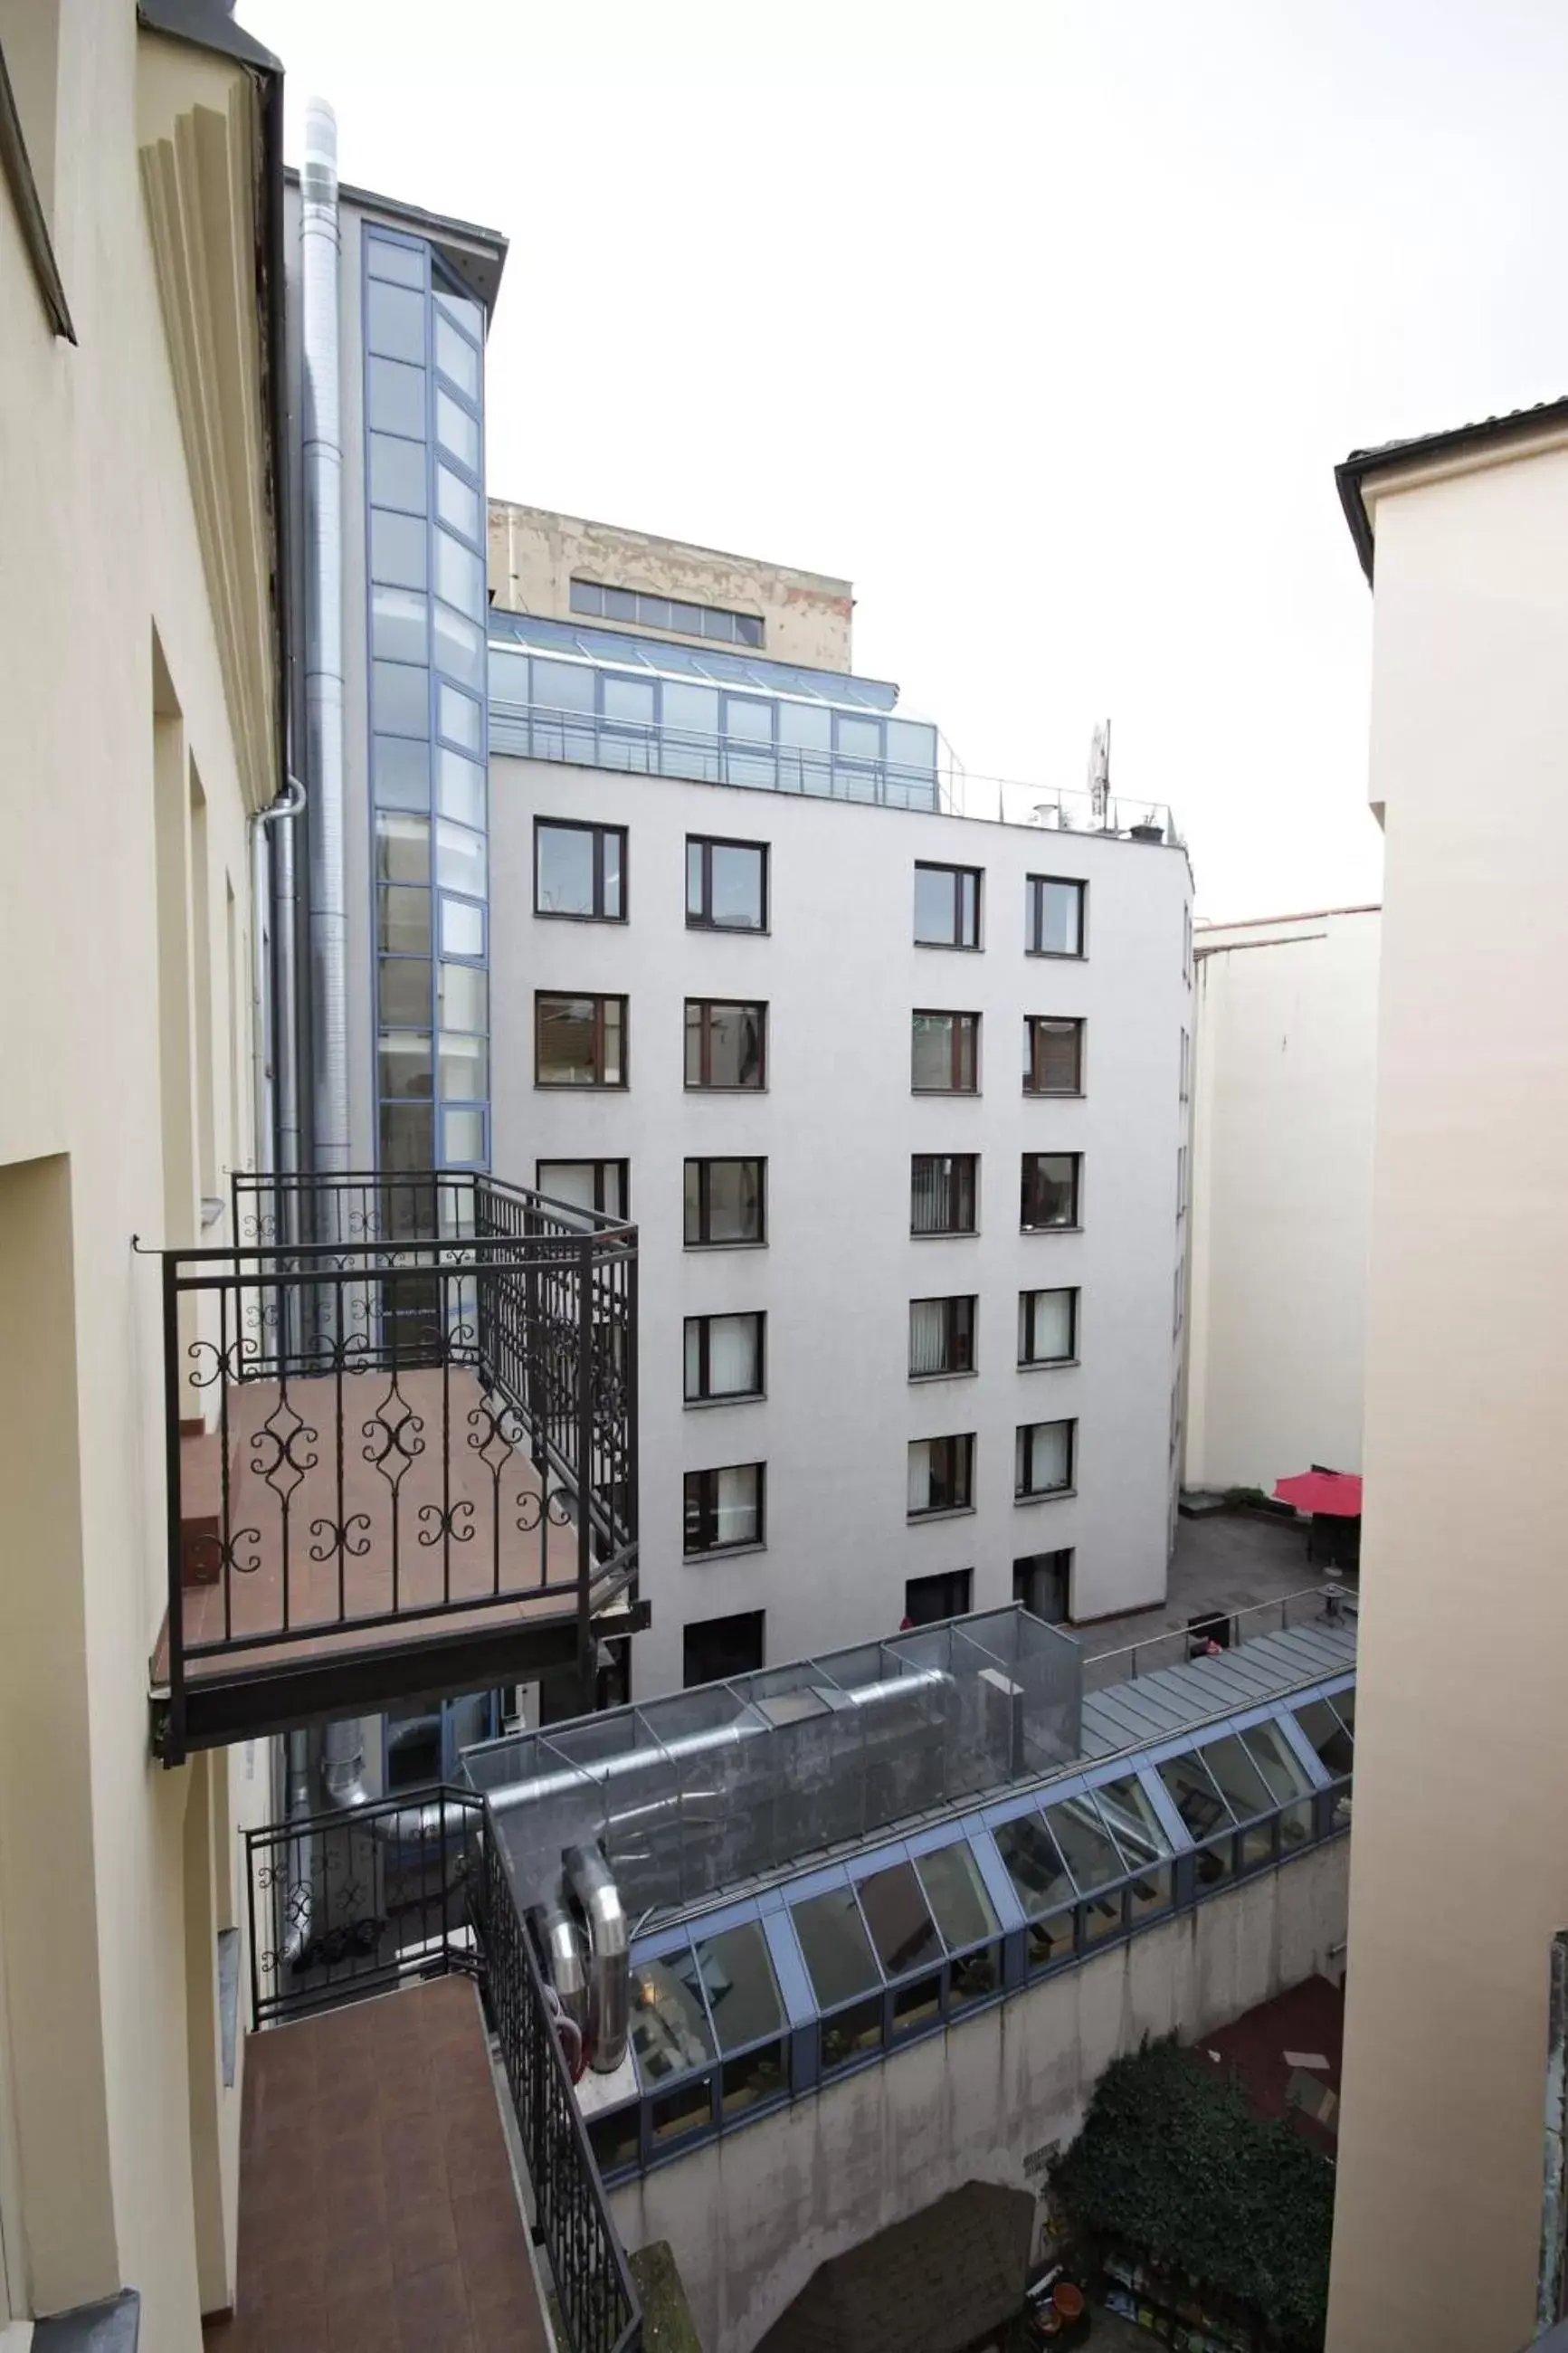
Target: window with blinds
column 1044, row 1458
column 579, row 1041
column 723, row 1357
column 941, row 1474
column 945, row 1056
column 1047, row 1327
column 942, row 1336
column 1053, row 1055
column 942, row 1188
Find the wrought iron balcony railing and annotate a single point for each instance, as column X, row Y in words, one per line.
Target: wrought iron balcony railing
column 402, row 1421
column 353, row 1903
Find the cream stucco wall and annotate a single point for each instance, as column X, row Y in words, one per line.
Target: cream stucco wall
column 130, row 735
column 1460, row 1873
column 1283, row 1110
column 534, row 557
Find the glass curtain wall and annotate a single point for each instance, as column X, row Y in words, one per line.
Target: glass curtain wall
column 424, row 394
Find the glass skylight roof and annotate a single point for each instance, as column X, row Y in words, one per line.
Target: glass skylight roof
column 658, row 657
column 737, row 2010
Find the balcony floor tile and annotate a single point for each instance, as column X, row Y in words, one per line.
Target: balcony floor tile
column 368, row 2244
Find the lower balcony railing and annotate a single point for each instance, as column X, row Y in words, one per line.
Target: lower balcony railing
column 348, row 1904
column 401, row 1419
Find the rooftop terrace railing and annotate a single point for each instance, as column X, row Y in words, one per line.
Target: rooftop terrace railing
column 1176, row 1646
column 589, row 739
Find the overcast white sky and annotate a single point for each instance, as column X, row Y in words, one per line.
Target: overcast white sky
column 1045, row 324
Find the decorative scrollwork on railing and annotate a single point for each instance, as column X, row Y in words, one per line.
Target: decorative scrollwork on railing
column 556, row 1509
column 273, row 1449
column 349, row 1538
column 396, row 1435
column 451, row 1524
column 243, row 1566
column 496, row 1432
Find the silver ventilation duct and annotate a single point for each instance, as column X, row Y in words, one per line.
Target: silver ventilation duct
column 659, row 1755
column 301, row 1877
column 323, row 472
column 563, row 1949
column 610, row 1948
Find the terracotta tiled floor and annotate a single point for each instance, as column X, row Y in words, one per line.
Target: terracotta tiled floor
column 377, row 2213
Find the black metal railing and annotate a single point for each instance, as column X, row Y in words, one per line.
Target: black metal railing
column 353, row 1903
column 598, row 2301
column 393, row 1399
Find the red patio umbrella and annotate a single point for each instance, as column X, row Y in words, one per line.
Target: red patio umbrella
column 1335, row 1493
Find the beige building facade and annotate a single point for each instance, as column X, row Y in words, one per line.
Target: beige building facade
column 1448, row 2234
column 562, row 566
column 138, row 739
column 1284, row 1051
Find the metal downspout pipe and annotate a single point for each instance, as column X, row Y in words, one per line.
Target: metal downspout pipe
column 275, row 1040
column 323, row 664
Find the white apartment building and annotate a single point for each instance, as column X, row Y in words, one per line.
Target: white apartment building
column 1284, row 1071
column 895, row 1097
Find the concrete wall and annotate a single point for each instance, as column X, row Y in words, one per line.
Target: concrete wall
column 1460, row 1873
column 129, row 737
column 838, row 1124
column 751, row 2216
column 534, row 557
column 1282, row 1112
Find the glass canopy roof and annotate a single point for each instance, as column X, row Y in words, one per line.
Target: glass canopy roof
column 709, row 662
column 738, row 2008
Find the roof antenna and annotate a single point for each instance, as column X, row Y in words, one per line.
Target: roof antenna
column 1100, row 776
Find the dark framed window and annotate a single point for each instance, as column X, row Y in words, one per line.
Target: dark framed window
column 944, row 1053
column 941, row 1474
column 1052, row 1183
column 726, row 1044
column 579, row 1041
column 579, row 871
column 947, row 906
column 724, row 1508
column 942, row 1189
column 942, row 1336
column 1042, row 1581
column 1043, row 1458
column 929, row 1599
column 726, row 885
column 1053, row 1055
column 1047, row 1327
column 681, row 618
column 714, row 1649
column 724, row 1356
column 602, row 1185
column 1055, row 909
column 726, row 1201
